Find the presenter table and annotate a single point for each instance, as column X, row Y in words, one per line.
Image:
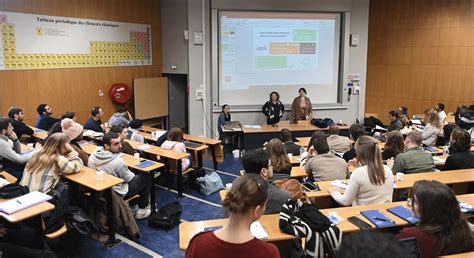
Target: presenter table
column 256, row 137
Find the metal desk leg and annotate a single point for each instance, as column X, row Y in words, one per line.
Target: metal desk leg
column 180, row 179
column 152, row 192
column 110, row 219
column 213, row 153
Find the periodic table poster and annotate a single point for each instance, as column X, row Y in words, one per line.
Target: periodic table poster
column 31, row 41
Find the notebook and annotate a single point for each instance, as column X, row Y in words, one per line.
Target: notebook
column 144, row 164
column 231, row 125
column 37, row 130
column 404, row 213
column 257, row 230
column 340, row 184
column 432, row 149
column 23, row 202
column 466, row 207
column 26, row 152
column 378, row 218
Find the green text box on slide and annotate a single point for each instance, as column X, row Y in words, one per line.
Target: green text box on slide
column 304, row 35
column 270, row 62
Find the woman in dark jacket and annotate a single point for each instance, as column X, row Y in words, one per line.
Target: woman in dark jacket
column 273, row 109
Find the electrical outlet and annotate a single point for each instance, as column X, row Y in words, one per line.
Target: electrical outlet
column 200, row 94
column 101, row 93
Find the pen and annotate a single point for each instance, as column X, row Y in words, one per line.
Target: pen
column 386, row 220
column 18, row 201
column 344, row 183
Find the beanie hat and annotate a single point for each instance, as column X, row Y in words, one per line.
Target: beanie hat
column 135, row 123
column 71, row 128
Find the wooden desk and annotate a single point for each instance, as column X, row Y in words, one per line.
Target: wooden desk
column 303, row 141
column 27, row 213
column 451, row 119
column 86, row 177
column 8, row 177
column 216, row 147
column 168, row 154
column 461, row 255
column 255, row 137
column 295, row 160
column 39, row 133
column 271, row 222
column 298, row 172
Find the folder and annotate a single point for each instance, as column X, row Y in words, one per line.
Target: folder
column 378, row 218
column 145, row 163
column 404, row 213
column 23, row 202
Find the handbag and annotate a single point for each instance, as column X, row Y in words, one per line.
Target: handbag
column 210, row 183
column 292, row 186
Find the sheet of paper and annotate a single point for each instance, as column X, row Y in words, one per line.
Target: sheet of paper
column 340, row 184
column 257, row 230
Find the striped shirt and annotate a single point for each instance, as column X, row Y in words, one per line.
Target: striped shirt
column 44, row 181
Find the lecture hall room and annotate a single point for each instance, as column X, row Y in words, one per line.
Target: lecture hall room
column 237, row 128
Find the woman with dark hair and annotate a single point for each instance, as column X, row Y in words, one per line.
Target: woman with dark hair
column 394, row 145
column 273, row 109
column 442, row 230
column 460, row 155
column 371, row 182
column 175, row 142
column 223, row 117
column 301, row 109
column 245, row 203
column 280, row 161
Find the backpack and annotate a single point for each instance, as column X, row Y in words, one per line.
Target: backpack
column 210, row 183
column 61, row 197
column 166, row 217
column 318, row 122
column 328, row 121
column 13, row 190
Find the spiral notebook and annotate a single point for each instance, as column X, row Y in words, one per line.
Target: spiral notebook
column 404, row 213
column 378, row 218
column 23, row 202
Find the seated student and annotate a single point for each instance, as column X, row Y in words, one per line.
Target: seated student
column 244, row 203
column 322, row 165
column 21, row 243
column 43, row 171
column 443, row 229
column 395, row 123
column 108, row 159
column 56, row 128
column 432, row 129
column 355, row 131
column 19, row 127
column 466, row 119
column 393, row 146
column 44, row 120
column 287, row 139
column 280, row 161
column 372, row 182
column 460, row 155
column 440, row 110
column 121, row 117
column 94, row 122
column 223, row 117
column 304, row 156
column 460, row 112
column 123, row 133
column 403, row 116
column 134, row 130
column 74, row 131
column 336, row 142
column 414, row 159
column 258, row 162
column 11, row 159
column 175, row 142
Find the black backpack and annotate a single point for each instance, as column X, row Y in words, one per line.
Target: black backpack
column 166, row 217
column 61, row 198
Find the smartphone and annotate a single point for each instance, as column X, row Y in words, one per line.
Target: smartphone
column 310, row 187
column 359, row 223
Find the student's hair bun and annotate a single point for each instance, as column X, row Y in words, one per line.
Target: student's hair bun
column 247, row 191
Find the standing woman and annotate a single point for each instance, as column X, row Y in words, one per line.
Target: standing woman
column 301, row 109
column 443, row 229
column 273, row 109
column 223, row 117
column 372, row 182
column 245, row 203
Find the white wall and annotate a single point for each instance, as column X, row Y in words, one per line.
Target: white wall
column 199, row 19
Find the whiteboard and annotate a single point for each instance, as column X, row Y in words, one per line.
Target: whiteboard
column 33, row 41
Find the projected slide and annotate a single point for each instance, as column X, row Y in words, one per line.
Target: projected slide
column 261, row 52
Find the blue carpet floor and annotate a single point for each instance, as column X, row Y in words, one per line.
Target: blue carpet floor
column 166, row 243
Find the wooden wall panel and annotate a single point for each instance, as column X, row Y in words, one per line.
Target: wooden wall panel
column 420, row 53
column 78, row 89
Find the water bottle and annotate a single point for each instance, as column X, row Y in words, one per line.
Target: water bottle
column 301, row 150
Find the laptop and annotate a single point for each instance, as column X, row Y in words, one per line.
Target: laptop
column 231, row 125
